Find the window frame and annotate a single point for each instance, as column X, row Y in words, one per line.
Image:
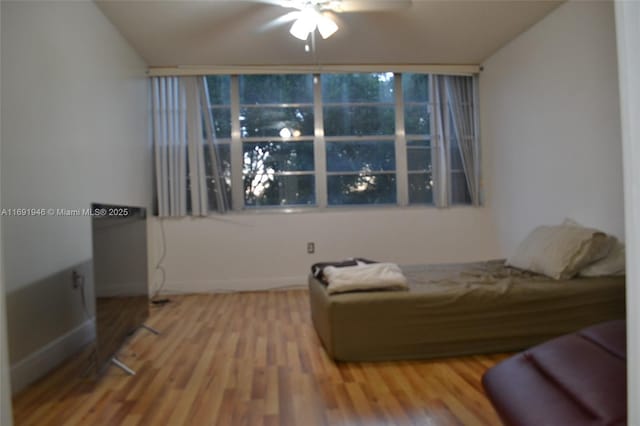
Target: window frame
column 321, row 174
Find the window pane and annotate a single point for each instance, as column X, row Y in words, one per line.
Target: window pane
column 359, row 120
column 459, row 188
column 222, row 122
column 268, row 189
column 276, row 89
column 280, row 122
column 420, row 188
column 419, row 155
column 346, row 88
column 415, row 87
column 274, row 157
column 362, row 189
column 361, row 156
column 416, row 119
column 456, row 159
column 456, row 155
column 219, row 89
column 224, row 153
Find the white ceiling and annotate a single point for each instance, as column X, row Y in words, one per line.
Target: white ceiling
column 238, row 32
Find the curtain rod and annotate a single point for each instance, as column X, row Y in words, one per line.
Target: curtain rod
column 310, row 69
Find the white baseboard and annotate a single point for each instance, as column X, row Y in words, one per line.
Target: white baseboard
column 254, row 284
column 45, row 359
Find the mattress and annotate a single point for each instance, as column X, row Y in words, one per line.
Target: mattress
column 460, row 309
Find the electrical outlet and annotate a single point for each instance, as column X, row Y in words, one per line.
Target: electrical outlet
column 76, row 279
column 311, row 247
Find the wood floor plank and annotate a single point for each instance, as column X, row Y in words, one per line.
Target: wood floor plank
column 254, row 359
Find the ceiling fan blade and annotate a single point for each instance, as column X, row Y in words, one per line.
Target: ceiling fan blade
column 346, row 6
column 288, row 4
column 282, row 20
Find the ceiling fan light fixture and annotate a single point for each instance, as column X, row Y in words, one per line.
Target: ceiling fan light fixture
column 304, row 25
column 326, row 26
column 308, row 20
column 300, row 29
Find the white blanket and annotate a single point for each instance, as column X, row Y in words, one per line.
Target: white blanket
column 375, row 276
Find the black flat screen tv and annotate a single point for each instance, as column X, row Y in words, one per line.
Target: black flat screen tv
column 120, row 276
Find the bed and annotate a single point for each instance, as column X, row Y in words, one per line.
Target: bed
column 460, row 309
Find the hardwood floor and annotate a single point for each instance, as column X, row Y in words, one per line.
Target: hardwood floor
column 254, row 359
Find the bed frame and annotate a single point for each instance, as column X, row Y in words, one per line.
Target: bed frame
column 398, row 325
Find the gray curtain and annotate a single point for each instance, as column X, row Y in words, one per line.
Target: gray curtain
column 170, row 145
column 439, row 142
column 461, row 98
column 187, row 165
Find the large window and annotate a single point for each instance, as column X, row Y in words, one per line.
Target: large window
column 301, row 140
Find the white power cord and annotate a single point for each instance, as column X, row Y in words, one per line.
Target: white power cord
column 159, row 266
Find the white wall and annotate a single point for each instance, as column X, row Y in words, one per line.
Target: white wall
column 75, row 130
column 6, row 417
column 257, row 251
column 628, row 32
column 550, row 125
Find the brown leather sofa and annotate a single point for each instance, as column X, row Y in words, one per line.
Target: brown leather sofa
column 577, row 379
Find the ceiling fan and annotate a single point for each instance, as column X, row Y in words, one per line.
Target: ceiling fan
column 309, row 15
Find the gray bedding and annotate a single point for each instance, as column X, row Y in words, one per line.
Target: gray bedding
column 460, row 309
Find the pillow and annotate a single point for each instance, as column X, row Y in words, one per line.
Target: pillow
column 612, row 264
column 560, row 251
column 606, row 248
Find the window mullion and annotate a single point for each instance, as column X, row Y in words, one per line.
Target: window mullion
column 319, row 150
column 237, row 182
column 402, row 185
